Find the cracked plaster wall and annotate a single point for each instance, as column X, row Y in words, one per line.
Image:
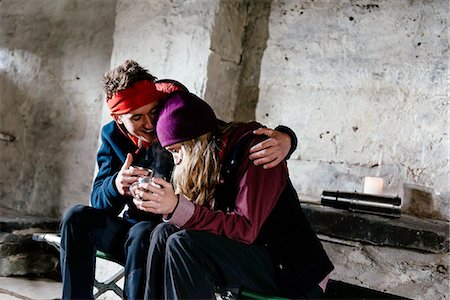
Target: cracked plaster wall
column 401, row 272
column 52, row 55
column 214, row 47
column 170, row 38
column 364, row 84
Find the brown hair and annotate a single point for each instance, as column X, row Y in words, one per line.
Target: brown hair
column 124, row 76
column 198, row 173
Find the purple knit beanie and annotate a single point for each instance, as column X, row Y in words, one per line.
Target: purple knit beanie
column 184, row 117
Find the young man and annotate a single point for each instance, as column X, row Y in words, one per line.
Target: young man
column 129, row 148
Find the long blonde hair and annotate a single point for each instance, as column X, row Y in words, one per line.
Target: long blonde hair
column 198, row 173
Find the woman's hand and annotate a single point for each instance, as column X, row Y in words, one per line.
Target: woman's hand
column 157, row 197
column 271, row 151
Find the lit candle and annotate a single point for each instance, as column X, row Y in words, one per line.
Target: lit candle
column 373, row 185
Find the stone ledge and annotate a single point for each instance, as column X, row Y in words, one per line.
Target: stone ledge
column 19, row 254
column 405, row 232
column 401, row 272
column 12, row 220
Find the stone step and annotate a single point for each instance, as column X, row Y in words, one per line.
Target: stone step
column 406, row 232
column 19, row 254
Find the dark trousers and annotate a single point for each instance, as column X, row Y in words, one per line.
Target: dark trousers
column 84, row 230
column 184, row 264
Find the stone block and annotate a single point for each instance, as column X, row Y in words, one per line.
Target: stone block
column 401, row 272
column 406, row 232
column 19, row 254
column 406, row 256
column 419, row 201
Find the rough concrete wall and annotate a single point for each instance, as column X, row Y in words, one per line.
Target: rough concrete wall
column 224, row 63
column 171, row 38
column 52, row 55
column 254, row 44
column 410, row 274
column 238, row 41
column 365, row 87
column 213, row 47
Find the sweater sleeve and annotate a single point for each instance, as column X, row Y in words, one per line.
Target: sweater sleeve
column 258, row 192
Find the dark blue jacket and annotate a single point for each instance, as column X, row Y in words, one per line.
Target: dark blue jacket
column 110, row 157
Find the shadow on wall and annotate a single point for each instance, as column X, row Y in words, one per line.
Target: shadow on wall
column 31, row 109
column 29, row 172
column 238, row 41
column 419, row 201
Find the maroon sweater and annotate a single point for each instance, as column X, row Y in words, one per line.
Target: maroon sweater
column 265, row 210
column 257, row 194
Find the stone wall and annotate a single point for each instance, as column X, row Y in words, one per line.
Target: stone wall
column 406, row 273
column 52, row 55
column 19, row 254
column 212, row 47
column 406, row 256
column 170, row 38
column 364, row 84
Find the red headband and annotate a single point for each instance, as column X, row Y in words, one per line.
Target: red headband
column 139, row 94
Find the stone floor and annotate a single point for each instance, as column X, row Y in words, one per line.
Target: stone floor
column 22, row 288
column 26, row 288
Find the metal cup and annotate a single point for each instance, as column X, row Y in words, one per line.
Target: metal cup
column 148, row 180
column 150, row 171
column 133, row 188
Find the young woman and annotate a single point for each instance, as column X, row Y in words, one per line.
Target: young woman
column 228, row 223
